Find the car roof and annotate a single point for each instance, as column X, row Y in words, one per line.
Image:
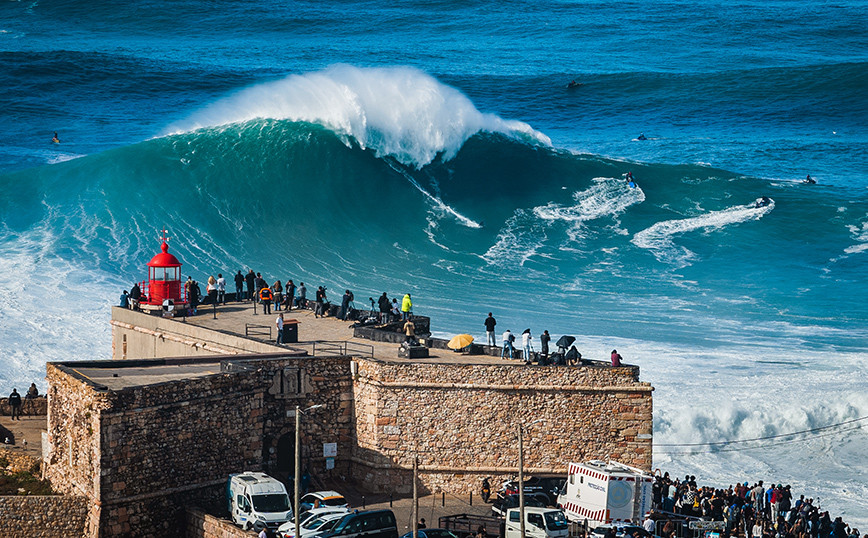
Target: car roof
column 330, row 494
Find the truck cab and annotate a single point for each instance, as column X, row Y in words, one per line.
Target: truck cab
column 257, row 500
column 538, row 523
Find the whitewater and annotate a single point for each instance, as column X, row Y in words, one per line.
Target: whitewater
column 472, row 177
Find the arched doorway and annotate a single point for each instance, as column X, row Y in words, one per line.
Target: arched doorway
column 285, row 461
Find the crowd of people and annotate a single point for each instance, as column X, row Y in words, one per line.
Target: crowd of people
column 566, row 353
column 755, row 511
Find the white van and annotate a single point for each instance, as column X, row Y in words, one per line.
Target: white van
column 256, row 499
column 601, row 492
column 538, row 523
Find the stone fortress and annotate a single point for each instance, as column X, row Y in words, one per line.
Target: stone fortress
column 184, row 403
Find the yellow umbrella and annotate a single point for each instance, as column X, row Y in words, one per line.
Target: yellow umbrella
column 460, row 342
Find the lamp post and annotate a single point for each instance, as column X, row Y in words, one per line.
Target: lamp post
column 521, row 474
column 298, row 413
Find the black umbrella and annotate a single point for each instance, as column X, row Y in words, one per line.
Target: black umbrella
column 565, row 341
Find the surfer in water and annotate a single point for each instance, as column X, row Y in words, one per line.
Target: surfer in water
column 55, row 139
column 810, row 181
column 762, row 202
column 641, row 137
column 574, row 84
column 630, row 182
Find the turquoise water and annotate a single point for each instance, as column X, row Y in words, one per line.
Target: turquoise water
column 433, row 147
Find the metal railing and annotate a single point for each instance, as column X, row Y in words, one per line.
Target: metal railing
column 336, row 347
column 257, row 330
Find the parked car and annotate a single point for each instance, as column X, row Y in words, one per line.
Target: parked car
column 314, row 521
column 370, row 524
column 431, row 533
column 502, row 504
column 322, row 499
column 543, row 488
column 621, row 531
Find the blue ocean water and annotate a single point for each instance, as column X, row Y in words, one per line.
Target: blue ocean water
column 434, row 147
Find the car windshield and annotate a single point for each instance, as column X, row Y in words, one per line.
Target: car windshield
column 333, row 501
column 314, row 523
column 274, row 502
column 329, row 524
column 556, row 520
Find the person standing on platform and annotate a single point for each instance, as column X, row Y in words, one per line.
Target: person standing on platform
column 290, row 294
column 212, row 290
column 409, row 332
column 250, row 279
column 396, row 310
column 544, row 340
column 508, row 339
column 265, row 298
column 15, row 404
column 279, row 323
column 221, row 289
column 345, row 304
column 406, row 306
column 239, row 286
column 125, row 300
column 385, row 305
column 302, row 295
column 135, row 296
column 193, row 296
column 277, row 289
column 526, row 340
column 490, row 323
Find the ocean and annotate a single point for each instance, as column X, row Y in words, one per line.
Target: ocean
column 433, row 147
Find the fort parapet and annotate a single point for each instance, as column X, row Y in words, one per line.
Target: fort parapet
column 142, row 438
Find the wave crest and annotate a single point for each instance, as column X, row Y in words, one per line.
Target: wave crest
column 398, row 112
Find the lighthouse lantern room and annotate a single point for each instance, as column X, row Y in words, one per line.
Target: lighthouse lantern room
column 164, row 277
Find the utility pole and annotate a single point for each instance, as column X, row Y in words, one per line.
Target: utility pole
column 520, row 478
column 295, row 484
column 415, row 497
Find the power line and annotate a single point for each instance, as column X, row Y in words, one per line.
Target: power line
column 767, row 445
column 821, row 428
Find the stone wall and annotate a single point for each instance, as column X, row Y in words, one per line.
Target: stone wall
column 18, row 462
column 35, row 407
column 203, row 525
column 462, row 421
column 139, row 336
column 143, row 453
column 36, row 516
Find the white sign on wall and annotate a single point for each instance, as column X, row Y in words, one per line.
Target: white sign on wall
column 329, row 450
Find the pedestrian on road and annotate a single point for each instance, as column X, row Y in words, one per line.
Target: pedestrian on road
column 490, row 323
column 15, row 404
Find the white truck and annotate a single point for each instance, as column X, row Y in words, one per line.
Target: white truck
column 257, row 500
column 538, row 523
column 606, row 492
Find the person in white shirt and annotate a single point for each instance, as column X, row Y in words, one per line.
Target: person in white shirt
column 508, row 339
column 526, row 339
column 221, row 289
column 279, row 323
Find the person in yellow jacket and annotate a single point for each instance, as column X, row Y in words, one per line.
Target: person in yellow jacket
column 406, row 306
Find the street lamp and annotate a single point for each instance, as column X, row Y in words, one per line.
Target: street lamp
column 298, row 413
column 521, row 473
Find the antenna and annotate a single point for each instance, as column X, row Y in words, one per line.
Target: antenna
column 163, row 237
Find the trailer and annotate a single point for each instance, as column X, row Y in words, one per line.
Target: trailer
column 606, row 492
column 466, row 525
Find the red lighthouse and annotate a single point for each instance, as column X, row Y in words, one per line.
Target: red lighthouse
column 164, row 280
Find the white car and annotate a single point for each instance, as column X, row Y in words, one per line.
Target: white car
column 322, row 499
column 312, row 521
